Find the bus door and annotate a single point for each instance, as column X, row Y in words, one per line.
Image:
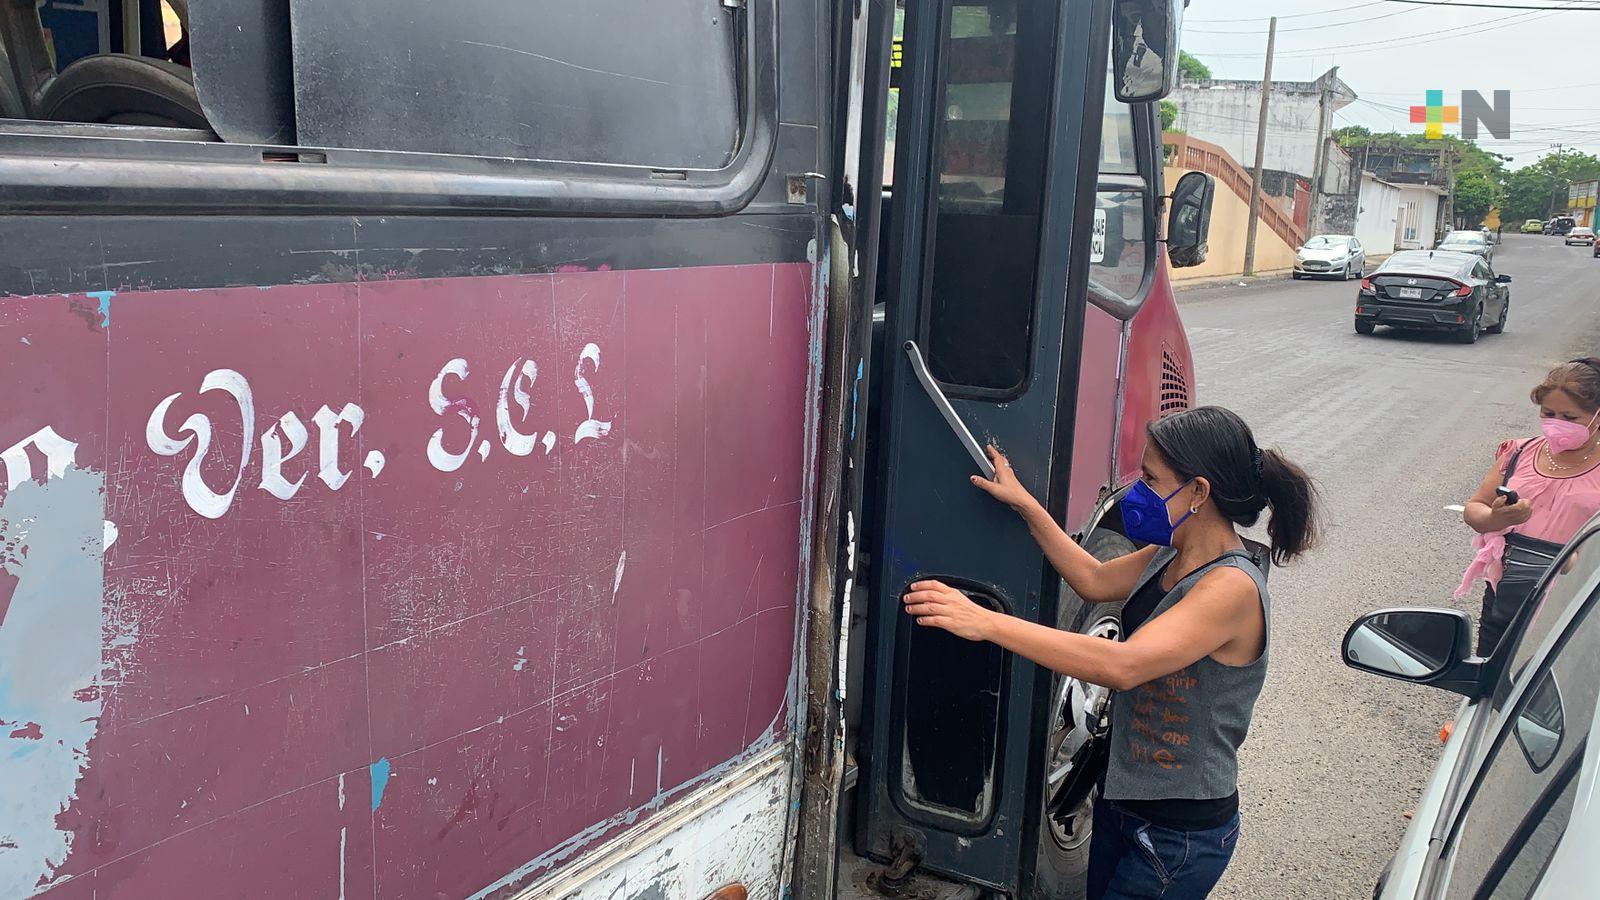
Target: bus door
column 988, row 139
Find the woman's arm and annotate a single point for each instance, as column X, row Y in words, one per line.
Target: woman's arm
column 1220, row 609
column 1487, row 512
column 1091, row 579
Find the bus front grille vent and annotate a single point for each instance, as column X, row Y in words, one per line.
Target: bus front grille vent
column 1174, row 386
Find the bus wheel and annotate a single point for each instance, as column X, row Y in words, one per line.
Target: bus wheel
column 1080, row 713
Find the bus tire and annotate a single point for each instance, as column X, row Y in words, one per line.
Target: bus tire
column 1063, row 853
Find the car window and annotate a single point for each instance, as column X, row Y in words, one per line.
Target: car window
column 1522, row 800
column 1423, row 262
column 1570, row 578
column 1481, row 270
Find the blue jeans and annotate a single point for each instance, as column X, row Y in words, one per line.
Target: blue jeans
column 1131, row 859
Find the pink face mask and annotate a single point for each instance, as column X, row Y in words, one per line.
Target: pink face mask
column 1563, row 435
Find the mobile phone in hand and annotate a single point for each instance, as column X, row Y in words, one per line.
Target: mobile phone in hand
column 1509, row 494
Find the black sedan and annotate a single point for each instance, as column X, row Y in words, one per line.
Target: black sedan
column 1435, row 290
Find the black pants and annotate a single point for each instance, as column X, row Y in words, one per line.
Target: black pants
column 1492, row 623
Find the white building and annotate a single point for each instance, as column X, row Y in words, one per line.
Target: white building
column 1226, row 112
column 1396, row 216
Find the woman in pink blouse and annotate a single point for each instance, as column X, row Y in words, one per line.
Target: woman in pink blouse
column 1556, row 478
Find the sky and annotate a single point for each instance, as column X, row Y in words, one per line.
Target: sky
column 1392, row 52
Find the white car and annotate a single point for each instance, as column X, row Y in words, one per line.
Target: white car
column 1513, row 808
column 1337, row 255
column 1581, row 235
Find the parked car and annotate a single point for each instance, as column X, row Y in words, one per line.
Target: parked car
column 1468, row 242
column 1508, row 811
column 1580, row 236
column 1435, row 290
column 1339, row 255
column 1533, row 226
column 1560, row 225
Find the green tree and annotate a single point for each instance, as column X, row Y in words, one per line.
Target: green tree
column 1191, row 68
column 1169, row 114
column 1569, row 167
column 1527, row 194
column 1537, row 189
column 1475, row 194
column 1352, row 136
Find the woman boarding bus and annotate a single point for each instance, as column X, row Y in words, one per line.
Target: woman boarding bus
column 434, row 437
column 1198, row 619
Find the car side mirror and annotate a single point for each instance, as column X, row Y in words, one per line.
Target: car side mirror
column 1502, row 279
column 1420, row 646
column 1144, row 49
column 1189, row 220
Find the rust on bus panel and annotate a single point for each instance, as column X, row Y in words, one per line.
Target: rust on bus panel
column 387, row 587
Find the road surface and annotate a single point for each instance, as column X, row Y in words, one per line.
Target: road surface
column 1395, row 428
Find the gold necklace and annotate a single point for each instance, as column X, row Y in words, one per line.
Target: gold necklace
column 1550, row 459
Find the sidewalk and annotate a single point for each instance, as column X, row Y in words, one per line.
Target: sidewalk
column 1181, row 286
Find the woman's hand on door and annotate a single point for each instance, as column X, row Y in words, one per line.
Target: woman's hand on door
column 1004, row 487
column 939, row 605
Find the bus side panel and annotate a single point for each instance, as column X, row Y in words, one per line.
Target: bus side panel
column 407, row 588
column 1094, row 436
column 1158, row 370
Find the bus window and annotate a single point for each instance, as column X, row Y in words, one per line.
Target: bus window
column 662, row 86
column 991, row 148
column 892, row 108
column 528, row 79
column 1121, row 241
column 1117, row 153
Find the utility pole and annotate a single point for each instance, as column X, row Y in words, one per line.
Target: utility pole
column 1261, row 149
column 1319, row 169
column 1556, row 180
column 1446, row 159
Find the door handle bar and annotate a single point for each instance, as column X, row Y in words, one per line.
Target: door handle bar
column 951, row 418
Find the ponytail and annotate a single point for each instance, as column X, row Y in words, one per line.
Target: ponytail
column 1293, row 498
column 1214, row 443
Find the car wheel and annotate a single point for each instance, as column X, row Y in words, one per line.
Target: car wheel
column 1469, row 334
column 1365, row 327
column 1296, row 275
column 1080, row 717
column 1499, row 327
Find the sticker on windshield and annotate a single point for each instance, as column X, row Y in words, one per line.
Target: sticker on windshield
column 1097, row 239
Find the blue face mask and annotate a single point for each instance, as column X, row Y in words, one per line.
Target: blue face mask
column 1144, row 515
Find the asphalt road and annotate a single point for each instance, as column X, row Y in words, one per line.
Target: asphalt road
column 1395, row 428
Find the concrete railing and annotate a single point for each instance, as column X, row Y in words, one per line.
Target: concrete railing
column 1185, row 152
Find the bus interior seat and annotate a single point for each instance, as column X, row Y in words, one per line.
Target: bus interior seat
column 11, row 106
column 108, row 88
column 121, row 89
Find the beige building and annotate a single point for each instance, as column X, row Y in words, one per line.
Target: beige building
column 1581, row 201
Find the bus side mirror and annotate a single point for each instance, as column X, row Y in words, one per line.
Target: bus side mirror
column 1189, row 220
column 1144, row 49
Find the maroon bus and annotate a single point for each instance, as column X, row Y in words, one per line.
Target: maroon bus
column 475, row 450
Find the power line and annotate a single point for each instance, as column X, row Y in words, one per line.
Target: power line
column 1559, row 87
column 1301, row 28
column 1545, row 8
column 1325, row 12
column 1520, row 126
column 1392, row 43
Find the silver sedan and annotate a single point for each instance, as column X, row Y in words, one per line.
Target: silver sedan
column 1512, row 809
column 1331, row 255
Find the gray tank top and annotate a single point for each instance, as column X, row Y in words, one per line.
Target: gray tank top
column 1178, row 737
